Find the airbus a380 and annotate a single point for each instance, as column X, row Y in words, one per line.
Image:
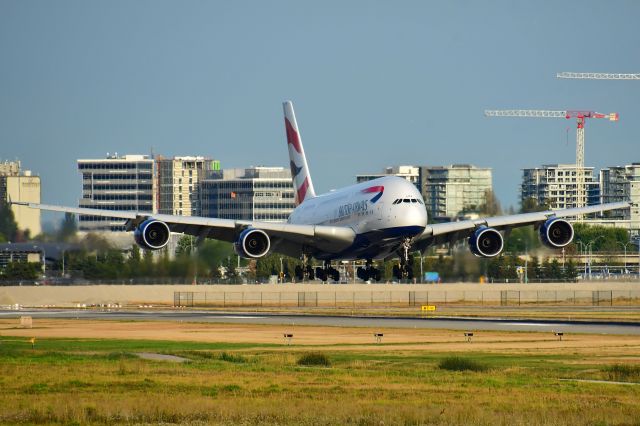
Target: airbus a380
column 379, row 219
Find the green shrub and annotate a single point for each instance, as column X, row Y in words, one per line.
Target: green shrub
column 314, row 359
column 623, row 373
column 454, row 363
column 229, row 357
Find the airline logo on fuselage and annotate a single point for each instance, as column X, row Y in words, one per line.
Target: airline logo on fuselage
column 361, row 208
column 378, row 190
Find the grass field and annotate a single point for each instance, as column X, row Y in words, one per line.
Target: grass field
column 99, row 381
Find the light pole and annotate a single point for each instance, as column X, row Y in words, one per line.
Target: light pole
column 281, row 272
column 583, row 252
column 625, row 253
column 590, row 247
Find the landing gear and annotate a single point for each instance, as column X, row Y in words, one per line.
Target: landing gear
column 404, row 270
column 368, row 272
column 305, row 271
column 327, row 271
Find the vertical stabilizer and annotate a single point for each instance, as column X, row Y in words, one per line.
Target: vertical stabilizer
column 299, row 168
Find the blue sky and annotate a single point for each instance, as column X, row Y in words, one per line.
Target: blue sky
column 374, row 83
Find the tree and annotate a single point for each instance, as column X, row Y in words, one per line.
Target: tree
column 531, row 204
column 8, row 226
column 491, row 205
column 68, row 228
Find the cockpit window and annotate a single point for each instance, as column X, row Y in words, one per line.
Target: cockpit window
column 413, row 200
column 406, row 200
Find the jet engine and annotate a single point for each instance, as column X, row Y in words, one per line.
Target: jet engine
column 152, row 234
column 252, row 243
column 556, row 233
column 486, row 242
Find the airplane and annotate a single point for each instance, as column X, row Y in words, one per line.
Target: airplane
column 375, row 220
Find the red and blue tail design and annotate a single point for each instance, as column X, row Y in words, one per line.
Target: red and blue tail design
column 297, row 160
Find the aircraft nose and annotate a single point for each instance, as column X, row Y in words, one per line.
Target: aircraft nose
column 416, row 216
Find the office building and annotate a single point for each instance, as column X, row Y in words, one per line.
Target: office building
column 555, row 186
column 448, row 191
column 21, row 185
column 178, row 183
column 257, row 193
column 621, row 183
column 410, row 173
column 116, row 183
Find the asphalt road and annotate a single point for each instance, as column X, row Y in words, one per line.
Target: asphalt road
column 448, row 323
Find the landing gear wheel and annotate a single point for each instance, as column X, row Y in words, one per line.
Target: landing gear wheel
column 375, row 274
column 321, row 274
column 299, row 273
column 363, row 274
column 334, row 274
column 397, row 272
column 309, row 271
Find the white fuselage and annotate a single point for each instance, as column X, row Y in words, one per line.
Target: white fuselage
column 382, row 212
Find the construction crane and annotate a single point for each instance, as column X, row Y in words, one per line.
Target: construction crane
column 598, row 76
column 580, row 116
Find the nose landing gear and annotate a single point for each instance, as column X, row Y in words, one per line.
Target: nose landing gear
column 404, row 270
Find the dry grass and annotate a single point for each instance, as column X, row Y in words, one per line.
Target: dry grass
column 100, row 382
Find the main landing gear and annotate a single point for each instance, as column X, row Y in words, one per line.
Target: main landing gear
column 404, row 270
column 305, row 271
column 368, row 272
column 327, row 271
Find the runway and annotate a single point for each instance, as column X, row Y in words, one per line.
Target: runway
column 448, row 323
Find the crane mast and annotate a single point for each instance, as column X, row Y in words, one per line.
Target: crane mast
column 580, row 116
column 597, row 76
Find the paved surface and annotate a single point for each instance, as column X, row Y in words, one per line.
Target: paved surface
column 338, row 321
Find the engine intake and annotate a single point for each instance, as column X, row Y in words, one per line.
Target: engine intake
column 252, row 243
column 486, row 242
column 556, row 233
column 152, row 234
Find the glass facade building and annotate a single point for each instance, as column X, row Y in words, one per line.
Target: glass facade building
column 258, row 193
column 450, row 190
column 116, row 183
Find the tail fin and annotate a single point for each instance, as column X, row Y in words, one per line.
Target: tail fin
column 297, row 160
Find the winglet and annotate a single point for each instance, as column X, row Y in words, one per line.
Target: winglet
column 297, row 160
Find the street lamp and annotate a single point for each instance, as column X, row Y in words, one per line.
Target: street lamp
column 590, row 247
column 583, row 253
column 625, row 253
column 526, row 260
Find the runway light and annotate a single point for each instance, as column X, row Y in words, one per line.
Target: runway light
column 378, row 337
column 559, row 334
column 468, row 335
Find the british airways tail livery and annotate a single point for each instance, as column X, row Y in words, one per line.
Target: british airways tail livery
column 302, row 183
column 380, row 219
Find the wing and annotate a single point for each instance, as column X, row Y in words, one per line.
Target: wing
column 285, row 238
column 453, row 231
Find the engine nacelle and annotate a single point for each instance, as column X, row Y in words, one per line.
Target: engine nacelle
column 556, row 233
column 152, row 234
column 252, row 243
column 486, row 242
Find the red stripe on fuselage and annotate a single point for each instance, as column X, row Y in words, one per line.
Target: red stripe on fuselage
column 373, row 189
column 292, row 136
